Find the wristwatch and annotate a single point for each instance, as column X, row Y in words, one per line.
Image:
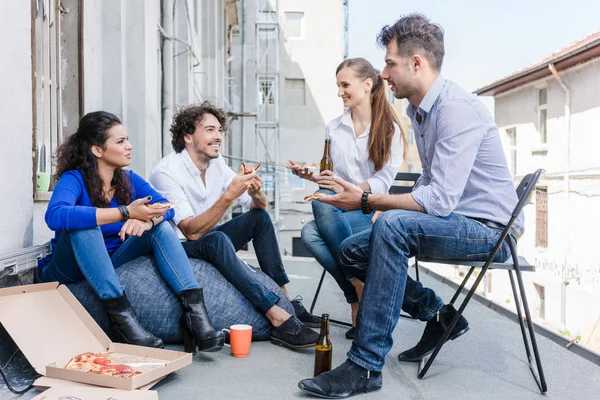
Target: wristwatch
column 364, row 203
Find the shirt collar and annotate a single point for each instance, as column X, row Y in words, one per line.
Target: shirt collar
column 428, row 101
column 345, row 118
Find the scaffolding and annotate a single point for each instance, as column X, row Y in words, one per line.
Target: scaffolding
column 267, row 79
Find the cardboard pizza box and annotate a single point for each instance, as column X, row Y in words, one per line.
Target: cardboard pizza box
column 95, row 393
column 51, row 327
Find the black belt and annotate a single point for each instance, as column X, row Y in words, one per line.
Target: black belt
column 492, row 224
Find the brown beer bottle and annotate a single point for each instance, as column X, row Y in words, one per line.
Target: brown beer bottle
column 326, row 161
column 324, row 348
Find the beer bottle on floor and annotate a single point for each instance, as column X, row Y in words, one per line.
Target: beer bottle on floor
column 324, row 348
column 326, row 161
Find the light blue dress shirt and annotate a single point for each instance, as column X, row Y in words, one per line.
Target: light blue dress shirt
column 464, row 167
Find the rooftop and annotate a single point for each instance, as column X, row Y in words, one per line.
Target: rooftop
column 576, row 53
column 487, row 363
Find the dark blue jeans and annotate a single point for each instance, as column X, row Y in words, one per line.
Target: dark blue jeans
column 323, row 236
column 216, row 248
column 219, row 247
column 381, row 257
column 256, row 226
column 82, row 254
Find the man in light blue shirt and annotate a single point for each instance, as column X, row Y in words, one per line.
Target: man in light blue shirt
column 457, row 210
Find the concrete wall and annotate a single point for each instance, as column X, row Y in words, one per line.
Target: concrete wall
column 16, row 184
column 570, row 255
column 122, row 73
column 314, row 58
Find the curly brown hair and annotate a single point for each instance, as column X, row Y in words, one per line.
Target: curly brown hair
column 76, row 154
column 187, row 119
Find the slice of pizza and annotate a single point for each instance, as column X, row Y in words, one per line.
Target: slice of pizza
column 100, row 363
column 312, row 167
column 248, row 170
column 169, row 204
column 315, row 195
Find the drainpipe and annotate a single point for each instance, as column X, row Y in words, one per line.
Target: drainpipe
column 563, row 286
column 243, row 94
column 167, row 74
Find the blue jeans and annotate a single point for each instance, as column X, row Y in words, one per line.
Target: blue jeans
column 323, row 236
column 396, row 236
column 256, row 226
column 216, row 248
column 82, row 254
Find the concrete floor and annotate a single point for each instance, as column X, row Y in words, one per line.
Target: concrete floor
column 486, row 363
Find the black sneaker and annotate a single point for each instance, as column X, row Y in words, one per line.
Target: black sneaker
column 350, row 333
column 434, row 330
column 293, row 334
column 303, row 315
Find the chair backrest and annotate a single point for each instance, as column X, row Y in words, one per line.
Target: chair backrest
column 405, row 177
column 525, row 189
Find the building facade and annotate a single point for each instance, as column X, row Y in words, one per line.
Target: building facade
column 549, row 117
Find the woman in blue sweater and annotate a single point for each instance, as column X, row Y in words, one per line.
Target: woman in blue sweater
column 100, row 215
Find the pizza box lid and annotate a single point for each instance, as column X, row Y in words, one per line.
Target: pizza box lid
column 94, row 393
column 50, row 327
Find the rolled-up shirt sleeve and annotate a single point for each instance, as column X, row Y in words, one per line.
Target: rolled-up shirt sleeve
column 460, row 132
column 382, row 180
column 172, row 190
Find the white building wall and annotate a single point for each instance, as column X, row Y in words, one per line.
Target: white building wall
column 571, row 254
column 122, row 74
column 16, row 181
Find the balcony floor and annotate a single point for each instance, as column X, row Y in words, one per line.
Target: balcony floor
column 486, row 363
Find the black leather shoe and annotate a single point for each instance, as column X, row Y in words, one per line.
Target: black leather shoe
column 434, row 330
column 344, row 381
column 303, row 315
column 350, row 333
column 126, row 325
column 195, row 325
column 293, row 334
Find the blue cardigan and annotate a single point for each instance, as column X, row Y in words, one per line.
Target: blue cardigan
column 70, row 208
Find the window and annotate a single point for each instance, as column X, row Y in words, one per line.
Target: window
column 295, row 92
column 266, row 90
column 410, row 136
column 512, row 149
column 543, row 114
column 541, row 217
column 294, row 25
column 47, row 95
column 540, row 305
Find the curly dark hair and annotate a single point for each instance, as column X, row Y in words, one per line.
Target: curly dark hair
column 414, row 33
column 76, row 154
column 187, row 119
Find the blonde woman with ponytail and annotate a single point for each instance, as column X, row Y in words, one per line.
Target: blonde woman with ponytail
column 367, row 147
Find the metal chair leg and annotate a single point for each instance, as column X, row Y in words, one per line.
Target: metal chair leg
column 312, row 306
column 542, row 379
column 462, row 285
column 463, row 305
column 422, row 371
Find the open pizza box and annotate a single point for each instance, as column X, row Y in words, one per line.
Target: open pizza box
column 51, row 327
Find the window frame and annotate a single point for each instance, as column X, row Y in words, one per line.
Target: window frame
column 302, row 24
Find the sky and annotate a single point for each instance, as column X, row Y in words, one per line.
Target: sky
column 485, row 40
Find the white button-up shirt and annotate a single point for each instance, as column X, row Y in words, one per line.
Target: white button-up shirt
column 178, row 179
column 350, row 155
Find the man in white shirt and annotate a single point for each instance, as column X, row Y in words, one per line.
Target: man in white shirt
column 202, row 186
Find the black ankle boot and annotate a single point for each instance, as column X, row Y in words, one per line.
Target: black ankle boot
column 126, row 325
column 195, row 325
column 434, row 330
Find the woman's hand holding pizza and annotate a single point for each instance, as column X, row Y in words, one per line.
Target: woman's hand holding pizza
column 139, row 209
column 302, row 172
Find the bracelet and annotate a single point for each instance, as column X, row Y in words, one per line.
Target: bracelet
column 124, row 212
column 364, row 203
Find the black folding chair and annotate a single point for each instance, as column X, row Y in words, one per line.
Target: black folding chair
column 409, row 177
column 516, row 264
